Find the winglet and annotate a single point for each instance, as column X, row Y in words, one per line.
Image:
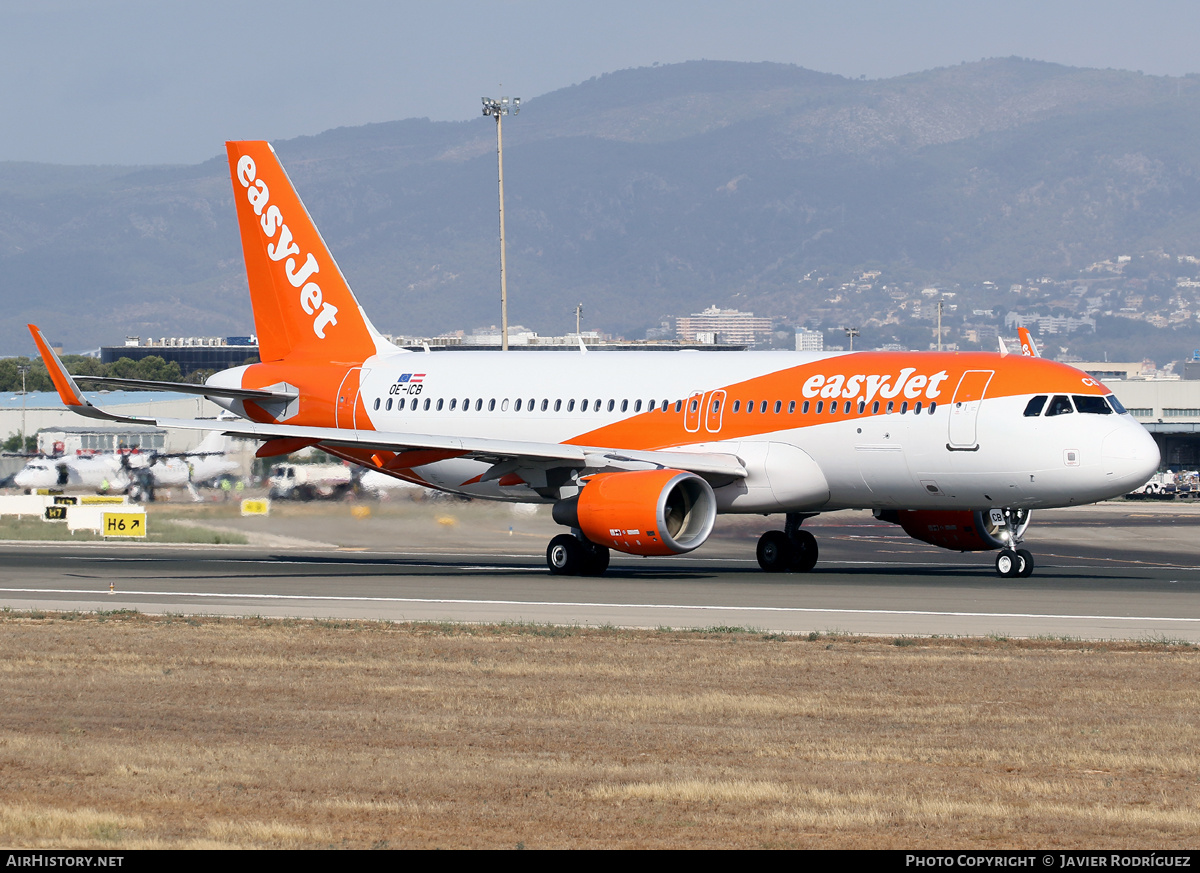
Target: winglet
column 68, row 391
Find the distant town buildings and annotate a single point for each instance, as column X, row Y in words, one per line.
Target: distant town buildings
column 1046, row 324
column 809, row 340
column 728, row 326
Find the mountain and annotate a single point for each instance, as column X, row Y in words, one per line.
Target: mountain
column 642, row 193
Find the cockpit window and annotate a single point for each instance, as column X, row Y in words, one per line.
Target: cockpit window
column 1060, row 405
column 1091, row 403
column 1034, row 407
column 1116, row 405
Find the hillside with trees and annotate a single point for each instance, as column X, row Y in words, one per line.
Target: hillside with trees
column 649, row 193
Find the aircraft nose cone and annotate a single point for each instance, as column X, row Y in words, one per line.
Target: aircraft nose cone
column 1130, row 456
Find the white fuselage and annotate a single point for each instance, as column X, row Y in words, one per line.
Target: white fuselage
column 949, row 455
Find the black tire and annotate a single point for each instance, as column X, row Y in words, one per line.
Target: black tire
column 595, row 559
column 1008, row 565
column 1025, row 558
column 565, row 555
column 774, row 551
column 804, row 551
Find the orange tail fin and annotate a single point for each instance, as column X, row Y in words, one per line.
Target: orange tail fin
column 303, row 307
column 1027, row 345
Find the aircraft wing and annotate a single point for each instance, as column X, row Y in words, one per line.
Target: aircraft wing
column 502, row 454
column 186, row 388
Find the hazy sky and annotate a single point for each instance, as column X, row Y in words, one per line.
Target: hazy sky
column 159, row 81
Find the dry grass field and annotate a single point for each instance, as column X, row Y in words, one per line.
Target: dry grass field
column 125, row 731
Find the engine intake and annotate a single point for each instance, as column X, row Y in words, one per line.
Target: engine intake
column 642, row 512
column 962, row 530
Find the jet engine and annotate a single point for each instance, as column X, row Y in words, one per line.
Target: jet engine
column 642, row 512
column 962, row 530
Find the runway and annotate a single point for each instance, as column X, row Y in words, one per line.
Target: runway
column 1114, row 572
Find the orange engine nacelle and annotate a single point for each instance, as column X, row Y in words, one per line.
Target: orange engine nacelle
column 642, row 512
column 963, row 530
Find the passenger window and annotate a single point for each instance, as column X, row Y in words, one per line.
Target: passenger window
column 932, row 406
column 679, row 406
column 439, row 405
column 426, row 405
column 917, row 408
column 904, row 407
column 1060, row 405
column 820, row 406
column 763, row 407
column 666, row 403
column 492, row 405
column 791, row 407
column 737, row 405
column 1034, row 407
column 716, row 406
column 862, row 407
column 529, row 405
column 1090, row 403
column 453, row 403
column 891, row 406
column 804, row 408
column 466, row 404
column 517, row 405
column 377, row 403
column 570, row 406
column 389, row 405
column 545, row 405
column 583, row 406
column 778, row 406
column 847, row 409
column 624, row 405
column 833, row 407
column 557, row 405
column 479, row 405
column 637, row 406
column 749, row 405
column 612, row 405
column 875, row 408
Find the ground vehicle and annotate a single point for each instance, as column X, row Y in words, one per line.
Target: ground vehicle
column 309, row 481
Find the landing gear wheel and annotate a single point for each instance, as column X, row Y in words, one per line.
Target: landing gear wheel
column 1008, row 563
column 595, row 559
column 565, row 555
column 1025, row 558
column 804, row 551
column 774, row 551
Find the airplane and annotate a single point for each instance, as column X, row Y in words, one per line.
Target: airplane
column 641, row 451
column 129, row 471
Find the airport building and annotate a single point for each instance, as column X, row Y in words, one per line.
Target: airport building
column 190, row 352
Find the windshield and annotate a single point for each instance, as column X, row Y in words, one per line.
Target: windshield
column 1089, row 403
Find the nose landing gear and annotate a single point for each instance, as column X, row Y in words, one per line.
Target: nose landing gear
column 1009, row 526
column 1012, row 564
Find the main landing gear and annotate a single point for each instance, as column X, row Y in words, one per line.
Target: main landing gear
column 1014, row 564
column 789, row 549
column 569, row 555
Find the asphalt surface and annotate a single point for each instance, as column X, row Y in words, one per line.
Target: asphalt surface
column 1117, row 571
